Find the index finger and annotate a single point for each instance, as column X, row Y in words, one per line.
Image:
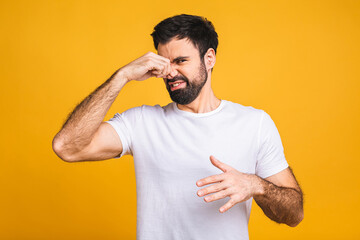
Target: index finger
column 210, row 179
column 157, row 56
column 166, row 61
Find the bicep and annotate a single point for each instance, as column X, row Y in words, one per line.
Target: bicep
column 285, row 178
column 105, row 144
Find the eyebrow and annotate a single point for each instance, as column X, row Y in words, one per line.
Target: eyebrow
column 179, row 58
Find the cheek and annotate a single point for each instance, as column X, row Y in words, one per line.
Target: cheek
column 186, row 72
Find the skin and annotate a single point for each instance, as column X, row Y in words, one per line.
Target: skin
column 279, row 196
column 85, row 137
column 206, row 100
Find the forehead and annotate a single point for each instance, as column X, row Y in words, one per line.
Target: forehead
column 178, row 47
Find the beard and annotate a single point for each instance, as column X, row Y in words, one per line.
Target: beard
column 192, row 89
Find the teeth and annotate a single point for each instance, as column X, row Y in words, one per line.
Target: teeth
column 176, row 84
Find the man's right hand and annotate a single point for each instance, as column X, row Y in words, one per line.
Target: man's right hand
column 83, row 140
column 146, row 66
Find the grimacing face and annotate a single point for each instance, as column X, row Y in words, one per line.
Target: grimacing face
column 189, row 73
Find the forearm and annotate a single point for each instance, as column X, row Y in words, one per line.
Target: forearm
column 280, row 204
column 86, row 118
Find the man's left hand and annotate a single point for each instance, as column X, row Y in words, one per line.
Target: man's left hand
column 231, row 183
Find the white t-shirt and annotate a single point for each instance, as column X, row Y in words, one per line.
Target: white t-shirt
column 171, row 150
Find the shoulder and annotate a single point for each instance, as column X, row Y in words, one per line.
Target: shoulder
column 157, row 108
column 145, row 111
column 243, row 111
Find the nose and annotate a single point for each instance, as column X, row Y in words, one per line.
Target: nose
column 173, row 72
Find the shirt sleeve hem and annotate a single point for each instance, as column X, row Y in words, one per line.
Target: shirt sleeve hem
column 273, row 171
column 122, row 139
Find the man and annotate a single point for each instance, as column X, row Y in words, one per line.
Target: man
column 181, row 148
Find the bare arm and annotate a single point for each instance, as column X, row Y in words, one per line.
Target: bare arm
column 281, row 198
column 82, row 124
column 279, row 195
column 84, row 136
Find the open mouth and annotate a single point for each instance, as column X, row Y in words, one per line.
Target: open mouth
column 176, row 85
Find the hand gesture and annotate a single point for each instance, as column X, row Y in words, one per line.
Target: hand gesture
column 146, row 66
column 232, row 183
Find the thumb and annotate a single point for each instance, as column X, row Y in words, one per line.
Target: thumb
column 224, row 167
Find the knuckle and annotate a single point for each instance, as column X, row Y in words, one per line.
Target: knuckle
column 236, row 198
column 232, row 201
column 216, row 188
column 148, row 61
column 221, row 186
column 210, row 190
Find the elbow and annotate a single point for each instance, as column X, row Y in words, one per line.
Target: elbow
column 58, row 148
column 298, row 220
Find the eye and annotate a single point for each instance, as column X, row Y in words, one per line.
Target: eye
column 181, row 61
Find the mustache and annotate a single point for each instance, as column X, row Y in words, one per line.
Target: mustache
column 177, row 78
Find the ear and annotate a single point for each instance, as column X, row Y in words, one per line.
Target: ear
column 209, row 59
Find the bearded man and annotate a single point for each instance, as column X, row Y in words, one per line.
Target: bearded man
column 182, row 147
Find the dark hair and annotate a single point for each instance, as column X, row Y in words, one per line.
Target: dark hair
column 198, row 30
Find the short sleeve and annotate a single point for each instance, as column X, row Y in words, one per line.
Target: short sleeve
column 270, row 157
column 124, row 124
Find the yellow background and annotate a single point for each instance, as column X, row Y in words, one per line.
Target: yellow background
column 297, row 60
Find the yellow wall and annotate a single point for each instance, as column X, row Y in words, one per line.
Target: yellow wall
column 297, row 60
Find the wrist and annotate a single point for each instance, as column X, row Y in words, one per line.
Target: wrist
column 120, row 77
column 258, row 186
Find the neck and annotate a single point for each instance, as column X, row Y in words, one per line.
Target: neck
column 205, row 102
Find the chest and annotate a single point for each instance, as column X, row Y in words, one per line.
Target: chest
column 175, row 148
